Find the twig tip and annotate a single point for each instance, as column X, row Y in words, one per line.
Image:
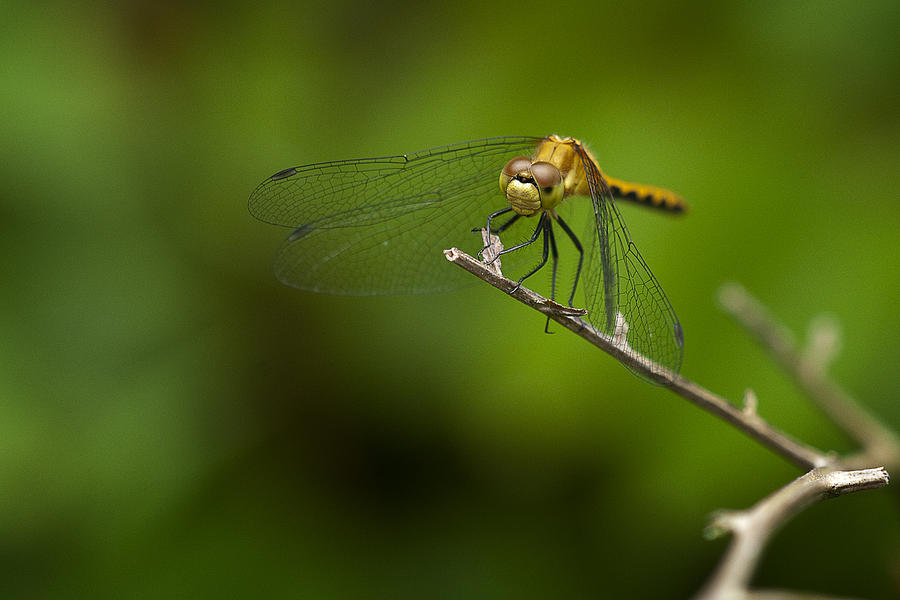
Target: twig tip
column 722, row 523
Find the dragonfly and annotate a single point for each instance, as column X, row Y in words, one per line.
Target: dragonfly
column 375, row 226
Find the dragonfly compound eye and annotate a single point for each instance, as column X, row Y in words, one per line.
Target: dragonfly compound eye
column 549, row 181
column 512, row 169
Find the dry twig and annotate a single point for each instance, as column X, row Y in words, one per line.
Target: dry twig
column 747, row 421
column 752, row 528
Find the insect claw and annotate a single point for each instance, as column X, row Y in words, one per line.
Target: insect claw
column 547, row 327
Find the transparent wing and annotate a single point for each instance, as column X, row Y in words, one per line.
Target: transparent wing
column 378, row 225
column 622, row 295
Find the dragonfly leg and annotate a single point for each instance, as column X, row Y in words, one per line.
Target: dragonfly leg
column 507, row 225
column 490, row 218
column 531, row 240
column 543, row 226
column 578, row 247
column 493, row 216
column 501, row 228
column 554, row 255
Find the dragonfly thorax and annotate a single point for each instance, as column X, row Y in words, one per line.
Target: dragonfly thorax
column 531, row 187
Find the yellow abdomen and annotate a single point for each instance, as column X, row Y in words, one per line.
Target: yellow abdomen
column 649, row 195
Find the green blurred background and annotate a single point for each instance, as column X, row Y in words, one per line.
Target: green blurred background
column 175, row 423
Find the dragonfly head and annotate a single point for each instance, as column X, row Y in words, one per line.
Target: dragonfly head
column 531, row 187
